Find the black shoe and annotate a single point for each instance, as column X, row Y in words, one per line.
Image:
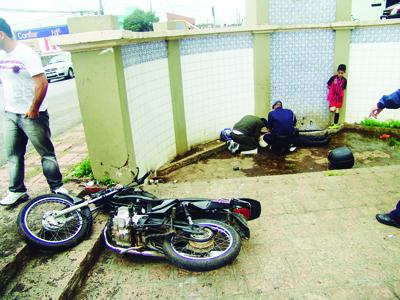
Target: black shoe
column 387, row 220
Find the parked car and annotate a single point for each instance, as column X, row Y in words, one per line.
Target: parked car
column 391, row 12
column 60, row 66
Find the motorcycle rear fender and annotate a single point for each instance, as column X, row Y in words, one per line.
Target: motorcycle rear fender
column 255, row 206
column 241, row 223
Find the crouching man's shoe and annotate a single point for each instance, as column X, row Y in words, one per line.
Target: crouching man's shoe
column 387, row 220
column 60, row 190
column 14, row 197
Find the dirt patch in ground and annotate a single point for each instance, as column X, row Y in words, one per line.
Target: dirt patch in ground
column 367, row 148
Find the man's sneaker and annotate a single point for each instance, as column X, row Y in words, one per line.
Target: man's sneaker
column 60, row 190
column 291, row 149
column 13, row 197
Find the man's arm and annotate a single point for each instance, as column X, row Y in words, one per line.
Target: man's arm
column 40, row 92
column 391, row 101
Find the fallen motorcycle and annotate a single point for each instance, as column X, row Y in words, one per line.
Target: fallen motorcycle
column 196, row 234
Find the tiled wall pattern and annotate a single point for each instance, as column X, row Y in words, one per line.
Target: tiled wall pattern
column 301, row 11
column 149, row 101
column 301, row 64
column 218, row 90
column 387, row 34
column 144, row 52
column 225, row 42
column 373, row 72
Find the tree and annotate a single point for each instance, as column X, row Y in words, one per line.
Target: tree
column 140, row 20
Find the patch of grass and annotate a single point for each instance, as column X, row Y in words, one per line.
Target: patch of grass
column 392, row 141
column 333, row 173
column 380, row 124
column 291, row 165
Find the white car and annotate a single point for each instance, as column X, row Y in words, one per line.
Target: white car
column 392, row 12
column 60, row 66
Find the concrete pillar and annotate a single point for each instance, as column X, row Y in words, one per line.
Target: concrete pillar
column 342, row 44
column 257, row 14
column 103, row 102
column 178, row 107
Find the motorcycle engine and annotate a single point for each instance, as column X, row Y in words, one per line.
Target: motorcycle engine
column 120, row 231
column 123, row 231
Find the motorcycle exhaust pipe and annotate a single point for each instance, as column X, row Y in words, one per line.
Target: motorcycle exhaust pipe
column 129, row 250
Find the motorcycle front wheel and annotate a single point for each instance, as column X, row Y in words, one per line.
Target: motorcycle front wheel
column 40, row 226
column 217, row 245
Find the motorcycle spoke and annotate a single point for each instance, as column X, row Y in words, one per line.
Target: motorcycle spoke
column 221, row 243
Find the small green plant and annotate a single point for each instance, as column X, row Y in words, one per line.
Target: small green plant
column 84, row 170
column 381, row 124
column 291, row 165
column 106, row 181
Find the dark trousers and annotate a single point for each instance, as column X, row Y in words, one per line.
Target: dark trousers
column 245, row 142
column 395, row 214
column 17, row 132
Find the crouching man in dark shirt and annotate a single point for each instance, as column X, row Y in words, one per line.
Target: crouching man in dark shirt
column 246, row 133
column 282, row 128
column 283, row 136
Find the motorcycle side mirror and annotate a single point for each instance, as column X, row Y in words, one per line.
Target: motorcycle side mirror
column 135, row 176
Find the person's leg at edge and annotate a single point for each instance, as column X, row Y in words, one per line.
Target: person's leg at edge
column 38, row 132
column 395, row 214
column 392, row 218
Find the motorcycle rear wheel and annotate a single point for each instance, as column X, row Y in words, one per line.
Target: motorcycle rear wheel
column 219, row 248
column 41, row 229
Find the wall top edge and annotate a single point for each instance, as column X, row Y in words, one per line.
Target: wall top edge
column 109, row 38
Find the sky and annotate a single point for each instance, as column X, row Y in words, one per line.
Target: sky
column 226, row 11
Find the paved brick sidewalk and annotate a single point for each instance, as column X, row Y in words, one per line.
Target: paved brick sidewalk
column 317, row 238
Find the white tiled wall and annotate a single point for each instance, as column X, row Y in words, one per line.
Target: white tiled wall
column 149, row 100
column 301, row 11
column 373, row 72
column 218, row 90
column 301, row 64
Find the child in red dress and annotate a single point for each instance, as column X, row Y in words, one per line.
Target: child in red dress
column 336, row 85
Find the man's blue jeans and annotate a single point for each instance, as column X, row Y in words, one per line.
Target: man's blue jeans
column 17, row 132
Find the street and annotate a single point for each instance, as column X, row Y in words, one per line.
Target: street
column 63, row 107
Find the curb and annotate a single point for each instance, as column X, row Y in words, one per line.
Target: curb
column 10, row 270
column 170, row 167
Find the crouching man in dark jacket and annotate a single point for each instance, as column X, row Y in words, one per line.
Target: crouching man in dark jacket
column 283, row 135
column 282, row 128
column 246, row 134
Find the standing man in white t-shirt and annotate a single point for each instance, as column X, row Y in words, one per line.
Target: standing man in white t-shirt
column 26, row 117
